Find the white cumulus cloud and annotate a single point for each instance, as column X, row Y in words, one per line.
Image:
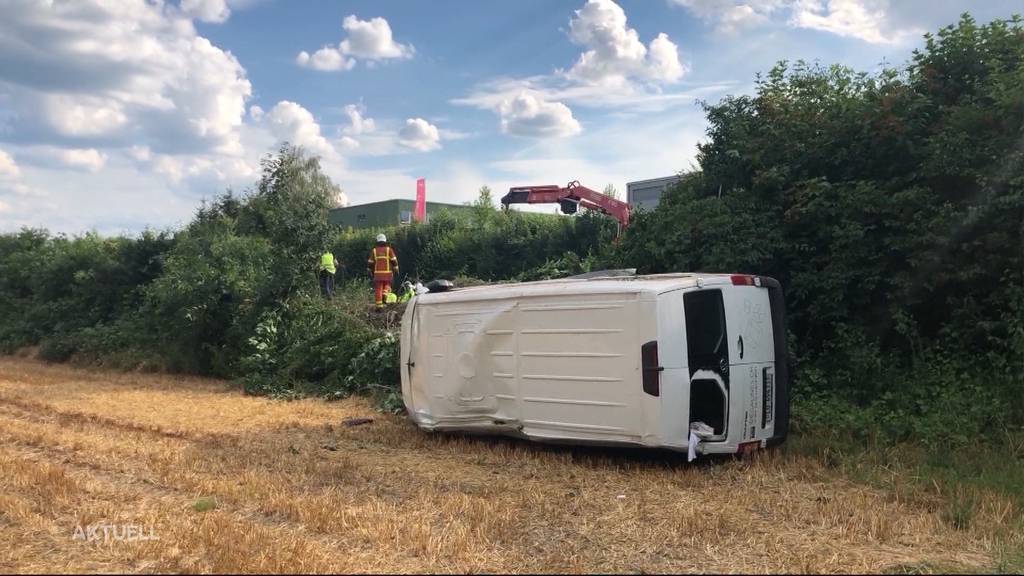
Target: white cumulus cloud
column 614, row 52
column 615, row 70
column 871, row 21
column 203, row 169
column 862, row 19
column 290, row 122
column 370, row 40
column 326, row 59
column 357, row 122
column 124, row 72
column 83, row 115
column 206, row 10
column 732, row 16
column 349, row 143
column 527, row 115
column 8, row 168
column 140, row 153
column 88, row 159
column 740, row 17
column 663, row 60
column 419, row 134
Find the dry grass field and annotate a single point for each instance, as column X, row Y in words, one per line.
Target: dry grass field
column 233, row 483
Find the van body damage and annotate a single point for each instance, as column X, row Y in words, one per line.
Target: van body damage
column 597, row 361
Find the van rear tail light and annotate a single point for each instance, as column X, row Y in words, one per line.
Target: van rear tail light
column 650, row 368
column 742, row 280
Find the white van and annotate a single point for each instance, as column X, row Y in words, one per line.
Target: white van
column 606, row 360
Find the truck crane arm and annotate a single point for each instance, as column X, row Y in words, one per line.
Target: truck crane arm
column 569, row 198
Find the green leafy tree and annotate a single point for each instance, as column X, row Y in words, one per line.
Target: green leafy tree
column 483, row 207
column 289, row 207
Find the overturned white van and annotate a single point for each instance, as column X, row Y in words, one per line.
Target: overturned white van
column 631, row 360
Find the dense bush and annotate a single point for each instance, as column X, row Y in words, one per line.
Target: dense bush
column 203, row 307
column 305, row 346
column 57, row 286
column 891, row 207
column 198, row 301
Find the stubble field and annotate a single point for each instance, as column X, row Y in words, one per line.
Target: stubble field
column 210, row 480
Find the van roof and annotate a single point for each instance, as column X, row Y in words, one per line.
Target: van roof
column 651, row 283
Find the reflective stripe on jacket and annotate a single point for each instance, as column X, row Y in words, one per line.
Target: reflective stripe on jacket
column 382, row 259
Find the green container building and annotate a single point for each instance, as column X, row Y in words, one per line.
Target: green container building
column 383, row 214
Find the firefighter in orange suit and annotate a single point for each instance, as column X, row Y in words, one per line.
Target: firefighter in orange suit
column 383, row 265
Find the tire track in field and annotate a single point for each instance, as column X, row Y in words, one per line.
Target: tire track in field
column 64, row 416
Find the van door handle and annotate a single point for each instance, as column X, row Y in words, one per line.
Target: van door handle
column 741, row 346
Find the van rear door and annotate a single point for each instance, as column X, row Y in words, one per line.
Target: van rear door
column 708, row 361
column 752, row 360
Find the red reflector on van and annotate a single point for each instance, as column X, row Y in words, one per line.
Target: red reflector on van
column 742, row 280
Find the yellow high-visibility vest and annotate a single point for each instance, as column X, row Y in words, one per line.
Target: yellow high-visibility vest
column 327, row 262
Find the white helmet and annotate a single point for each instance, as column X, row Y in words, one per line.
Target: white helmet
column 382, row 238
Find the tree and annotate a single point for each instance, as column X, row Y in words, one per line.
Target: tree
column 483, row 207
column 610, row 191
column 485, row 198
column 291, row 203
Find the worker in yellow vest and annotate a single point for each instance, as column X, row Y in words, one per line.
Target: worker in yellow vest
column 407, row 292
column 382, row 265
column 328, row 268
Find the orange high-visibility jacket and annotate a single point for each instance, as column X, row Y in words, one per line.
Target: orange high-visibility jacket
column 383, row 262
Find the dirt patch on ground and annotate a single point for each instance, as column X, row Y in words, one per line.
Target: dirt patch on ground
column 214, row 481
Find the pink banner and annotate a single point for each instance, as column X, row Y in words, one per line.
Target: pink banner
column 421, row 200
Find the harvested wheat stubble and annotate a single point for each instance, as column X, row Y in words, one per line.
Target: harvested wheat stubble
column 234, row 483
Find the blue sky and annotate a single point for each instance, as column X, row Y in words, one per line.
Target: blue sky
column 118, row 115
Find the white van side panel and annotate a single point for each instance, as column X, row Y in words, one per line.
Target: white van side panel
column 561, row 366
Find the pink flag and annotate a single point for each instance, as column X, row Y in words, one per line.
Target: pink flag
column 421, row 200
